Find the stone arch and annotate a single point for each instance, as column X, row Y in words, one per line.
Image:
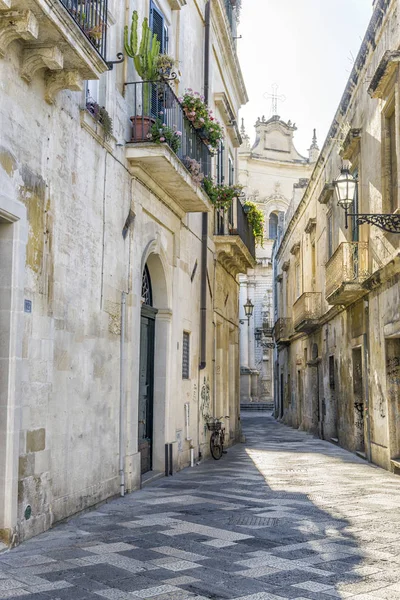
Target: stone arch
column 156, row 260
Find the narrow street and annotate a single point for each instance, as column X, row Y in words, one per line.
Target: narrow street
column 283, row 516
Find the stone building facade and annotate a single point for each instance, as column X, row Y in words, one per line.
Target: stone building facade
column 338, row 288
column 271, row 171
column 118, row 295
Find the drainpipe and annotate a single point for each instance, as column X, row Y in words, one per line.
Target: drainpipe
column 204, row 229
column 203, row 292
column 204, row 235
column 122, row 398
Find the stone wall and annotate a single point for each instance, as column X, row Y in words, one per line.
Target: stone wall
column 338, row 370
column 76, row 230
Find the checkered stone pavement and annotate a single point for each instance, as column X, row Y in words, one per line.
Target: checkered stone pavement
column 283, row 516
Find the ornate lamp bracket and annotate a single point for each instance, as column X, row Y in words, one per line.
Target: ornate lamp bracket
column 111, row 63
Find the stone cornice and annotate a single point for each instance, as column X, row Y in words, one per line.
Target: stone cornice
column 383, row 74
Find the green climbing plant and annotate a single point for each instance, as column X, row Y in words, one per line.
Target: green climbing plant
column 144, row 55
column 255, row 217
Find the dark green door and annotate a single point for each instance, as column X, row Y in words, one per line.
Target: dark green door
column 146, row 387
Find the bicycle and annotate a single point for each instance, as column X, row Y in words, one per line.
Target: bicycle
column 217, row 437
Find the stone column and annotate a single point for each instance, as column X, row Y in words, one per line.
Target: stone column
column 245, row 373
column 251, row 341
column 251, row 285
column 244, row 333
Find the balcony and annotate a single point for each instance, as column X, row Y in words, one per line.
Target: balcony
column 230, row 7
column 307, row 311
column 345, row 272
column 283, row 329
column 267, row 328
column 163, row 142
column 234, row 239
column 67, row 39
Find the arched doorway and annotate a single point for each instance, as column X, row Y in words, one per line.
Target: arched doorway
column 146, row 374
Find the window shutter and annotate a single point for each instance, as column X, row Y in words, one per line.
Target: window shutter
column 157, row 26
column 185, row 355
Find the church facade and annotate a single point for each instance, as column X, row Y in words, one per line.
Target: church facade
column 274, row 175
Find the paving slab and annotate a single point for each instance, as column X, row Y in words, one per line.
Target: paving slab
column 283, row 516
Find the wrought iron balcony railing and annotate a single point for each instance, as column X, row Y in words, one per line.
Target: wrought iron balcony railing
column 234, row 221
column 345, row 271
column 307, row 311
column 283, row 329
column 267, row 328
column 158, row 117
column 91, row 17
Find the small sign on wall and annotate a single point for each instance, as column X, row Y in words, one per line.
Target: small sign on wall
column 28, row 306
column 179, row 440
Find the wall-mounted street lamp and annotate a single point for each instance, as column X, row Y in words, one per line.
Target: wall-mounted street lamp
column 346, row 187
column 248, row 311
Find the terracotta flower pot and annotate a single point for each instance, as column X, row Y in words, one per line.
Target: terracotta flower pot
column 141, row 128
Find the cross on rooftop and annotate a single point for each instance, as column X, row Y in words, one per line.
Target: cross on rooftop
column 275, row 98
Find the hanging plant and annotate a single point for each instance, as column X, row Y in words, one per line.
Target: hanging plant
column 165, row 64
column 255, row 217
column 194, row 168
column 197, row 112
column 221, row 195
column 100, row 114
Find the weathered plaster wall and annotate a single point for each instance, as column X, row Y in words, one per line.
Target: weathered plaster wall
column 357, row 341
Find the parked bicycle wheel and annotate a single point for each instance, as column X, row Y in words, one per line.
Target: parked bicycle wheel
column 216, row 446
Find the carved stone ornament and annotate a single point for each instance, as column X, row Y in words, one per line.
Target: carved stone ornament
column 64, row 80
column 16, row 25
column 34, row 59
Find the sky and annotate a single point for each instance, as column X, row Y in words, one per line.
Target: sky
column 307, row 48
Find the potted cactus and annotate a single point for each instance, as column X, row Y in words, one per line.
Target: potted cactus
column 145, row 58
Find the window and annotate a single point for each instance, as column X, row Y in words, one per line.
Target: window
column 185, row 355
column 220, row 165
column 273, row 226
column 231, row 171
column 313, row 263
column 92, row 91
column 392, row 163
column 329, row 225
column 332, row 372
column 159, row 27
column 298, row 282
column 355, row 234
column 390, row 155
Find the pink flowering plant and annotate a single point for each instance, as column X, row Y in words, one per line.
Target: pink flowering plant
column 221, row 195
column 194, row 168
column 198, row 113
column 161, row 133
column 194, row 108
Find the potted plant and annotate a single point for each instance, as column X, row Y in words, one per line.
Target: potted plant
column 194, row 108
column 165, row 64
column 221, row 195
column 95, row 34
column 100, row 114
column 194, row 168
column 202, row 119
column 161, row 133
column 145, row 57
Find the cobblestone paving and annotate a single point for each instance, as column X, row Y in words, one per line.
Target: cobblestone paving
column 284, row 516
